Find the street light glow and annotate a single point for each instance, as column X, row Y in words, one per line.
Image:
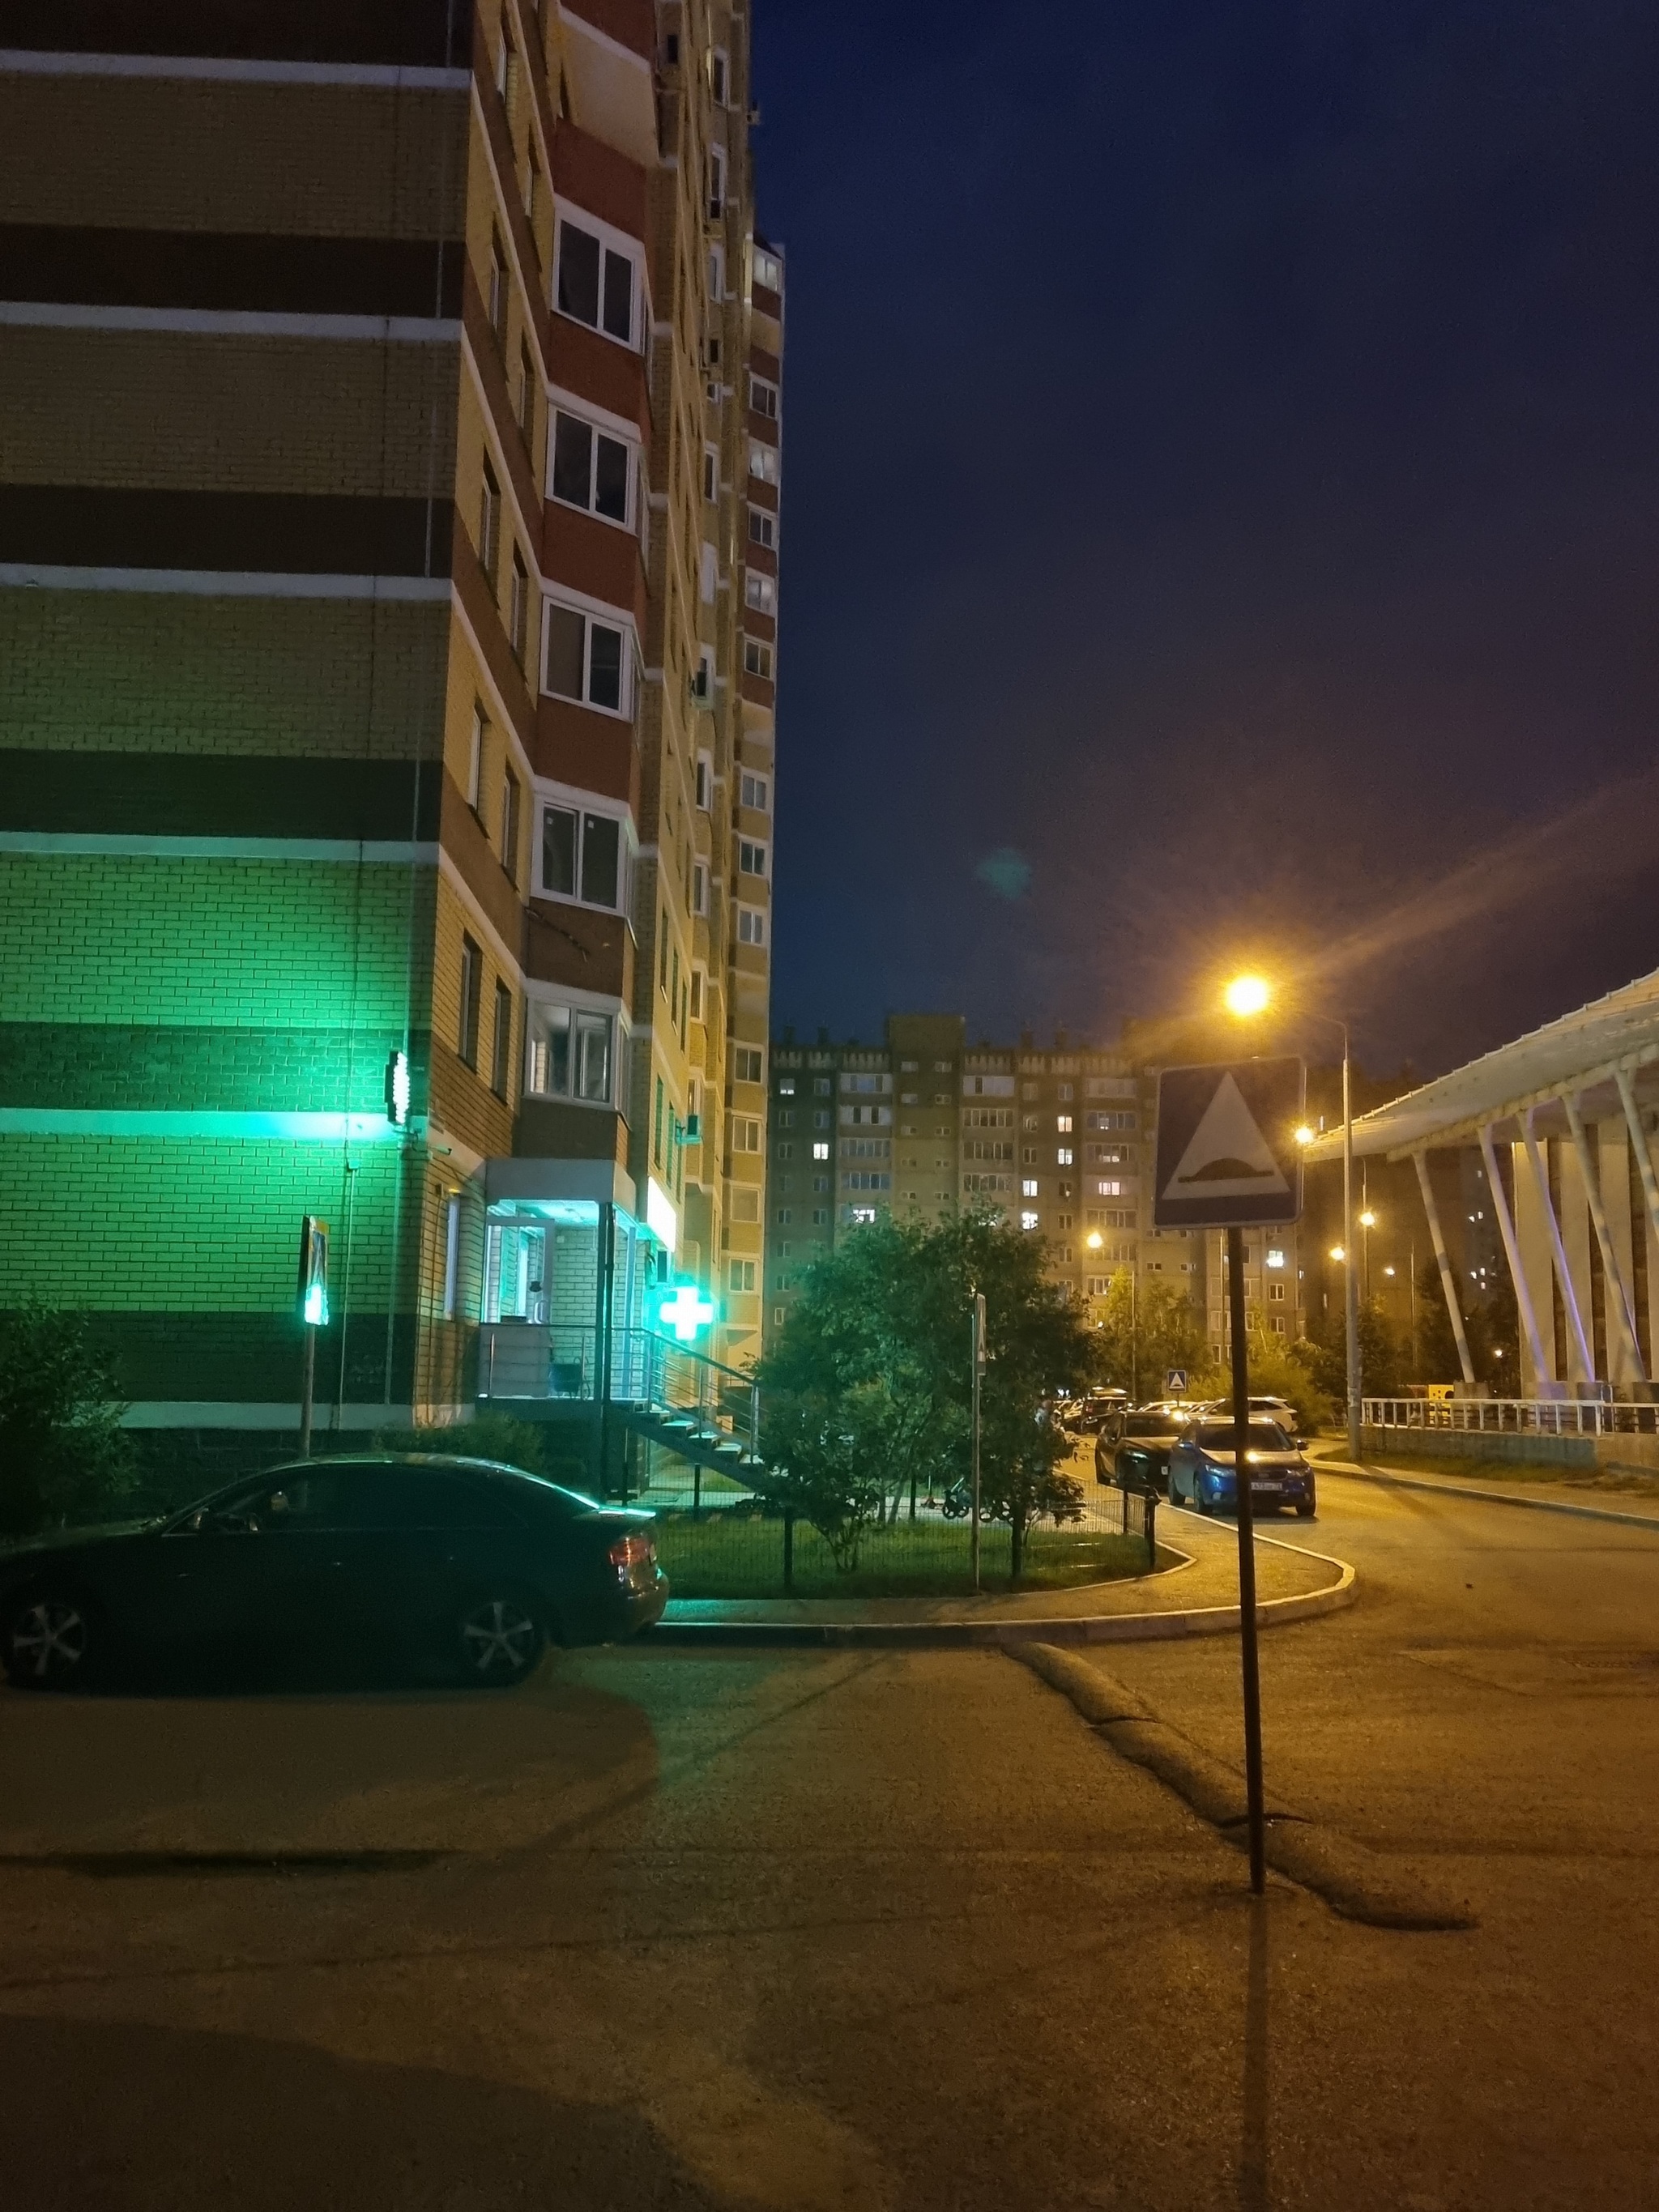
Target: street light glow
column 1368, row 1219
column 1094, row 1240
column 1304, row 1135
column 1337, row 1252
column 1246, row 995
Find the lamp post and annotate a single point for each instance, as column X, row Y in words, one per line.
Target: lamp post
column 1247, row 995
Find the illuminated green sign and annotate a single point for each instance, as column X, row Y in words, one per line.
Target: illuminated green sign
column 685, row 1311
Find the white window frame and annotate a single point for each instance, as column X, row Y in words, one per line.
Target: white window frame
column 583, row 1010
column 708, row 573
column 767, row 534
column 602, row 426
column 759, row 1063
column 475, row 754
column 755, row 792
column 749, row 849
column 567, row 799
column 758, row 659
column 760, row 592
column 700, row 888
column 711, row 474
column 715, row 181
column 612, row 241
column 719, row 76
column 717, row 278
column 751, row 927
column 704, row 786
column 765, row 385
column 768, row 269
column 591, row 611
column 763, row 462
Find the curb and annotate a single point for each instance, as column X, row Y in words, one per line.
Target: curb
column 996, row 1635
column 1448, row 1487
column 1353, row 1880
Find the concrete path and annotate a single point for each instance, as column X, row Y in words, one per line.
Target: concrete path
column 1596, row 1492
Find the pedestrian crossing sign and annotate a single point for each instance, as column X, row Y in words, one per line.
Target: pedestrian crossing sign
column 1227, row 1154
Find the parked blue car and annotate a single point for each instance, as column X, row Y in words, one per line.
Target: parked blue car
column 1202, row 1472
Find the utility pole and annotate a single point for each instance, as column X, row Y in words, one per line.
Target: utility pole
column 979, row 1369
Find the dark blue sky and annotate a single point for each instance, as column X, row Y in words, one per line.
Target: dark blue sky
column 1221, row 494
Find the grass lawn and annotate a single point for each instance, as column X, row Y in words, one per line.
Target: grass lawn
column 729, row 1554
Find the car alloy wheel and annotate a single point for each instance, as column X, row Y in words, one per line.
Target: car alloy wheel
column 500, row 1641
column 47, row 1641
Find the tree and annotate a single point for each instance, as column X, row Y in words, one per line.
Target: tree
column 64, row 1457
column 1142, row 1330
column 869, row 1384
column 1435, row 1351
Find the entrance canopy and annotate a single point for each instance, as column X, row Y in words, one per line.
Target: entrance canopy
column 1582, row 1055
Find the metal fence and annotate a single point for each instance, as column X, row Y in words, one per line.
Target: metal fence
column 1544, row 1417
column 635, row 1367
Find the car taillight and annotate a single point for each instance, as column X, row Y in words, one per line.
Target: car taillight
column 630, row 1551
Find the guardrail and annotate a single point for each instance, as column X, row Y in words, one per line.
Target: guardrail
column 525, row 1359
column 1544, row 1417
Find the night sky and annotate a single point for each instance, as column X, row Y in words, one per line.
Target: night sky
column 1221, row 509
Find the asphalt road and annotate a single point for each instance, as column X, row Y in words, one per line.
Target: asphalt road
column 839, row 1931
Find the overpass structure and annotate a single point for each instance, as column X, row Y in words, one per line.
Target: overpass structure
column 1575, row 1106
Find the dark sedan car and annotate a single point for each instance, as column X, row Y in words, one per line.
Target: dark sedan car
column 472, row 1563
column 1138, row 1451
column 1202, row 1471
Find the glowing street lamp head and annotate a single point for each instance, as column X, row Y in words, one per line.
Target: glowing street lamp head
column 1304, row 1135
column 1094, row 1240
column 1246, row 995
column 1368, row 1219
column 1337, row 1252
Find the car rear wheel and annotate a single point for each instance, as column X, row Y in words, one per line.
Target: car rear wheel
column 1305, row 1510
column 499, row 1639
column 50, row 1641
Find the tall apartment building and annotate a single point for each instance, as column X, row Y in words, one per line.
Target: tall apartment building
column 1061, row 1140
column 388, row 577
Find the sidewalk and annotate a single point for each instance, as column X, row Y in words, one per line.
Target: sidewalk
column 1195, row 1592
column 1592, row 1496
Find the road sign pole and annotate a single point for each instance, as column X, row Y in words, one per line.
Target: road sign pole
column 979, row 1369
column 307, row 1389
column 1245, row 1505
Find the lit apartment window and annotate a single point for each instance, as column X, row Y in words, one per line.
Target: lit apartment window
column 755, row 792
column 517, row 613
column 590, row 470
column 510, row 822
column 500, row 1049
column 1063, row 1123
column 751, row 926
column 740, row 1275
column 762, row 460
column 820, row 1151
column 1029, row 1220
column 763, row 528
column 1063, row 1155
column 751, row 858
column 596, row 281
column 489, row 522
column 760, row 592
column 763, row 397
column 586, row 659
column 582, row 857
column 471, row 989
column 757, row 659
column 1028, row 1188
column 786, row 1086
column 768, row 269
column 746, row 1064
column 569, row 1054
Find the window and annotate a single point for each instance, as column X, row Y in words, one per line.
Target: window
column 1276, row 1294
column 699, row 888
column 1112, row 1120
column 582, row 857
column 518, row 612
column 590, row 469
column 595, row 282
column 716, row 286
column 763, row 397
column 1029, row 1221
column 786, row 1215
column 716, row 182
column 741, row 1274
column 656, row 1126
column 1275, row 1257
column 708, row 575
column 500, row 1049
column 755, row 792
column 1063, row 1156
column 768, row 269
column 746, row 1205
column 762, row 528
column 1109, row 1186
column 527, row 392
column 498, row 286
column 452, row 1255
column 784, row 1151
column 472, row 986
column 1028, row 1188
column 757, row 659
column 489, row 522
column 820, row 1151
column 746, row 1133
column 510, row 822
column 475, row 753
column 786, row 1117
column 820, row 1086
column 717, row 75
column 867, row 1179
column 568, row 1053
column 586, row 659
column 821, row 1119
column 746, row 1064
column 711, row 473
column 1063, row 1123
column 705, row 782
column 751, row 858
column 751, row 926
column 762, row 460
column 786, row 1086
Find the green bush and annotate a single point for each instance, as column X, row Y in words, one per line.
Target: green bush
column 66, row 1460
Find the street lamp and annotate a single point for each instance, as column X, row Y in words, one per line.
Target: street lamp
column 1247, row 995
column 1367, row 1222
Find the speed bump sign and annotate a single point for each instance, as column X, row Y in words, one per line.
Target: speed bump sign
column 1227, row 1154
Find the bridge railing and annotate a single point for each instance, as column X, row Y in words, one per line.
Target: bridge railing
column 1545, row 1417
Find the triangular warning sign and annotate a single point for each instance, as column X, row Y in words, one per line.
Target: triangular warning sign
column 1227, row 1157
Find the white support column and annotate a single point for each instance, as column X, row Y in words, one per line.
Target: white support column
column 1638, row 1144
column 1611, row 1271
column 1558, row 1249
column 1447, row 1281
column 1512, row 1254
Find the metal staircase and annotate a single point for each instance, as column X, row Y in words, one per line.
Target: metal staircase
column 690, row 1404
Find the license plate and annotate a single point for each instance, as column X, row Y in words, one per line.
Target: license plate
column 1272, row 1488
